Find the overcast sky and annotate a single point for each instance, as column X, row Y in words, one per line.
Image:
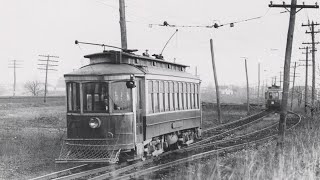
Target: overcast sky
column 39, row 27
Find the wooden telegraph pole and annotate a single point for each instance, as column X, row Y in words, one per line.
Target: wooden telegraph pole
column 258, row 82
column 280, row 78
column 312, row 32
column 246, row 69
column 14, row 66
column 123, row 26
column 46, row 68
column 216, row 82
column 286, row 71
column 306, row 80
column 294, row 77
column 248, row 105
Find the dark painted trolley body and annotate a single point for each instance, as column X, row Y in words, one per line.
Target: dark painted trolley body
column 273, row 97
column 125, row 105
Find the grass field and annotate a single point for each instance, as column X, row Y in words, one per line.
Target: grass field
column 31, row 133
column 300, row 160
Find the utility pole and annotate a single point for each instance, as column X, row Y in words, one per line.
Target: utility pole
column 123, row 26
column 312, row 32
column 280, row 78
column 294, row 77
column 258, row 81
column 216, row 82
column 46, row 68
column 306, row 80
column 263, row 86
column 246, row 69
column 14, row 66
column 286, row 71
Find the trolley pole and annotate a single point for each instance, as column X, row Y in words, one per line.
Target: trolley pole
column 123, row 26
column 312, row 32
column 46, row 68
column 216, row 82
column 286, row 71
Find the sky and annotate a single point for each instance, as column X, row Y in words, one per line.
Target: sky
column 41, row 27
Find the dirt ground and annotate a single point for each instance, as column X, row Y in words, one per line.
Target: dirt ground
column 31, row 133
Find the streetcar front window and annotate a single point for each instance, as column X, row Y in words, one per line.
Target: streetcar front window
column 95, row 97
column 273, row 95
column 73, row 97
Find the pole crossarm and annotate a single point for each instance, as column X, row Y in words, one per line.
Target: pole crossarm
column 310, row 24
column 49, row 56
column 309, row 32
column 48, row 69
column 287, row 6
column 48, row 60
column 310, row 43
column 305, row 47
column 292, row 6
column 48, row 64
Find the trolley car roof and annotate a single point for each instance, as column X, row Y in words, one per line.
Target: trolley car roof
column 105, row 69
column 106, row 53
column 102, row 69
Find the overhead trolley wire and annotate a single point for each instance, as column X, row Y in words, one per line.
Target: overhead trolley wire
column 215, row 25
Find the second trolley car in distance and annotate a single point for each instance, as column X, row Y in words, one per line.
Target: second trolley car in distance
column 127, row 106
column 273, row 97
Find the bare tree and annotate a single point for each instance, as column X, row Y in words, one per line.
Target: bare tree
column 34, row 87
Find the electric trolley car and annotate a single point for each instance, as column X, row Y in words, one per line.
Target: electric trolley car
column 273, row 97
column 124, row 106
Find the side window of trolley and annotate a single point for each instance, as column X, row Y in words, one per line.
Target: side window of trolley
column 172, row 96
column 73, row 97
column 95, row 97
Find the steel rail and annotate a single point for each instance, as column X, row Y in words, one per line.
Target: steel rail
column 226, row 140
column 60, row 173
column 197, row 156
column 232, row 129
column 222, row 126
column 90, row 172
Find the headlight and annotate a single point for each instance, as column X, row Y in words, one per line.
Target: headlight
column 94, row 122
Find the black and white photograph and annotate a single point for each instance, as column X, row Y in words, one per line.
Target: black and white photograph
column 170, row 89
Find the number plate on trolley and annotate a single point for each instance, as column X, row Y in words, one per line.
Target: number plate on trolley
column 177, row 124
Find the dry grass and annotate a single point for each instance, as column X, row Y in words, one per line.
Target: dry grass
column 30, row 138
column 301, row 160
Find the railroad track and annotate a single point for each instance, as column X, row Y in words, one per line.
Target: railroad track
column 216, row 148
column 105, row 172
column 235, row 124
